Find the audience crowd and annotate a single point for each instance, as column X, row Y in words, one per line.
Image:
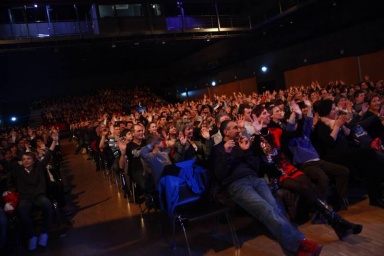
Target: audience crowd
column 306, row 140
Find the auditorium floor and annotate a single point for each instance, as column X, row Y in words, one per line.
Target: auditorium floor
column 104, row 223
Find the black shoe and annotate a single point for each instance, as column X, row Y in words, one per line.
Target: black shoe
column 342, row 231
column 356, row 228
column 377, row 202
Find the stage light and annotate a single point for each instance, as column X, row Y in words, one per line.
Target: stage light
column 13, row 119
column 35, row 5
column 213, row 83
column 264, row 69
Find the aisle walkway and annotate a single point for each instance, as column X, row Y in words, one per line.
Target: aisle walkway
column 106, row 224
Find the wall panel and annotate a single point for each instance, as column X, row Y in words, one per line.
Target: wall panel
column 345, row 69
column 372, row 65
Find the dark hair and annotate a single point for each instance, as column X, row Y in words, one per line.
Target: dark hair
column 219, row 116
column 185, row 126
column 370, row 98
column 324, row 107
column 31, row 154
column 339, row 97
column 356, row 93
column 278, row 102
column 224, row 126
column 258, row 109
column 242, row 107
column 124, row 132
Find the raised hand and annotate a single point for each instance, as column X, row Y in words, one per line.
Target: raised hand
column 240, row 120
column 256, row 124
column 122, row 145
column 295, row 108
column 204, row 131
column 182, row 138
column 228, row 146
column 55, row 136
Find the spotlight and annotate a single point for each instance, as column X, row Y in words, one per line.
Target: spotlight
column 35, row 5
column 213, row 83
column 264, row 69
column 13, row 119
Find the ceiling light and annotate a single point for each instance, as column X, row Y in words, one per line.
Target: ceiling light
column 264, row 69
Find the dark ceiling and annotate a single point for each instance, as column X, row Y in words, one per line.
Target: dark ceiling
column 65, row 59
column 313, row 19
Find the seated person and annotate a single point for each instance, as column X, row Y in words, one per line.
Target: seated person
column 189, row 146
column 331, row 139
column 28, row 179
column 154, row 156
column 136, row 172
column 305, row 155
column 267, row 143
column 168, row 177
column 375, row 113
column 236, row 167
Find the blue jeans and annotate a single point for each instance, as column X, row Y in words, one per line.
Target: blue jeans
column 254, row 195
column 24, row 212
column 3, row 228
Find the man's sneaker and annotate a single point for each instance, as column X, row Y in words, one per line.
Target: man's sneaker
column 309, row 248
column 43, row 239
column 32, row 243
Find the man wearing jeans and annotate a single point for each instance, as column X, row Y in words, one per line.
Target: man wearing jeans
column 236, row 168
column 28, row 179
